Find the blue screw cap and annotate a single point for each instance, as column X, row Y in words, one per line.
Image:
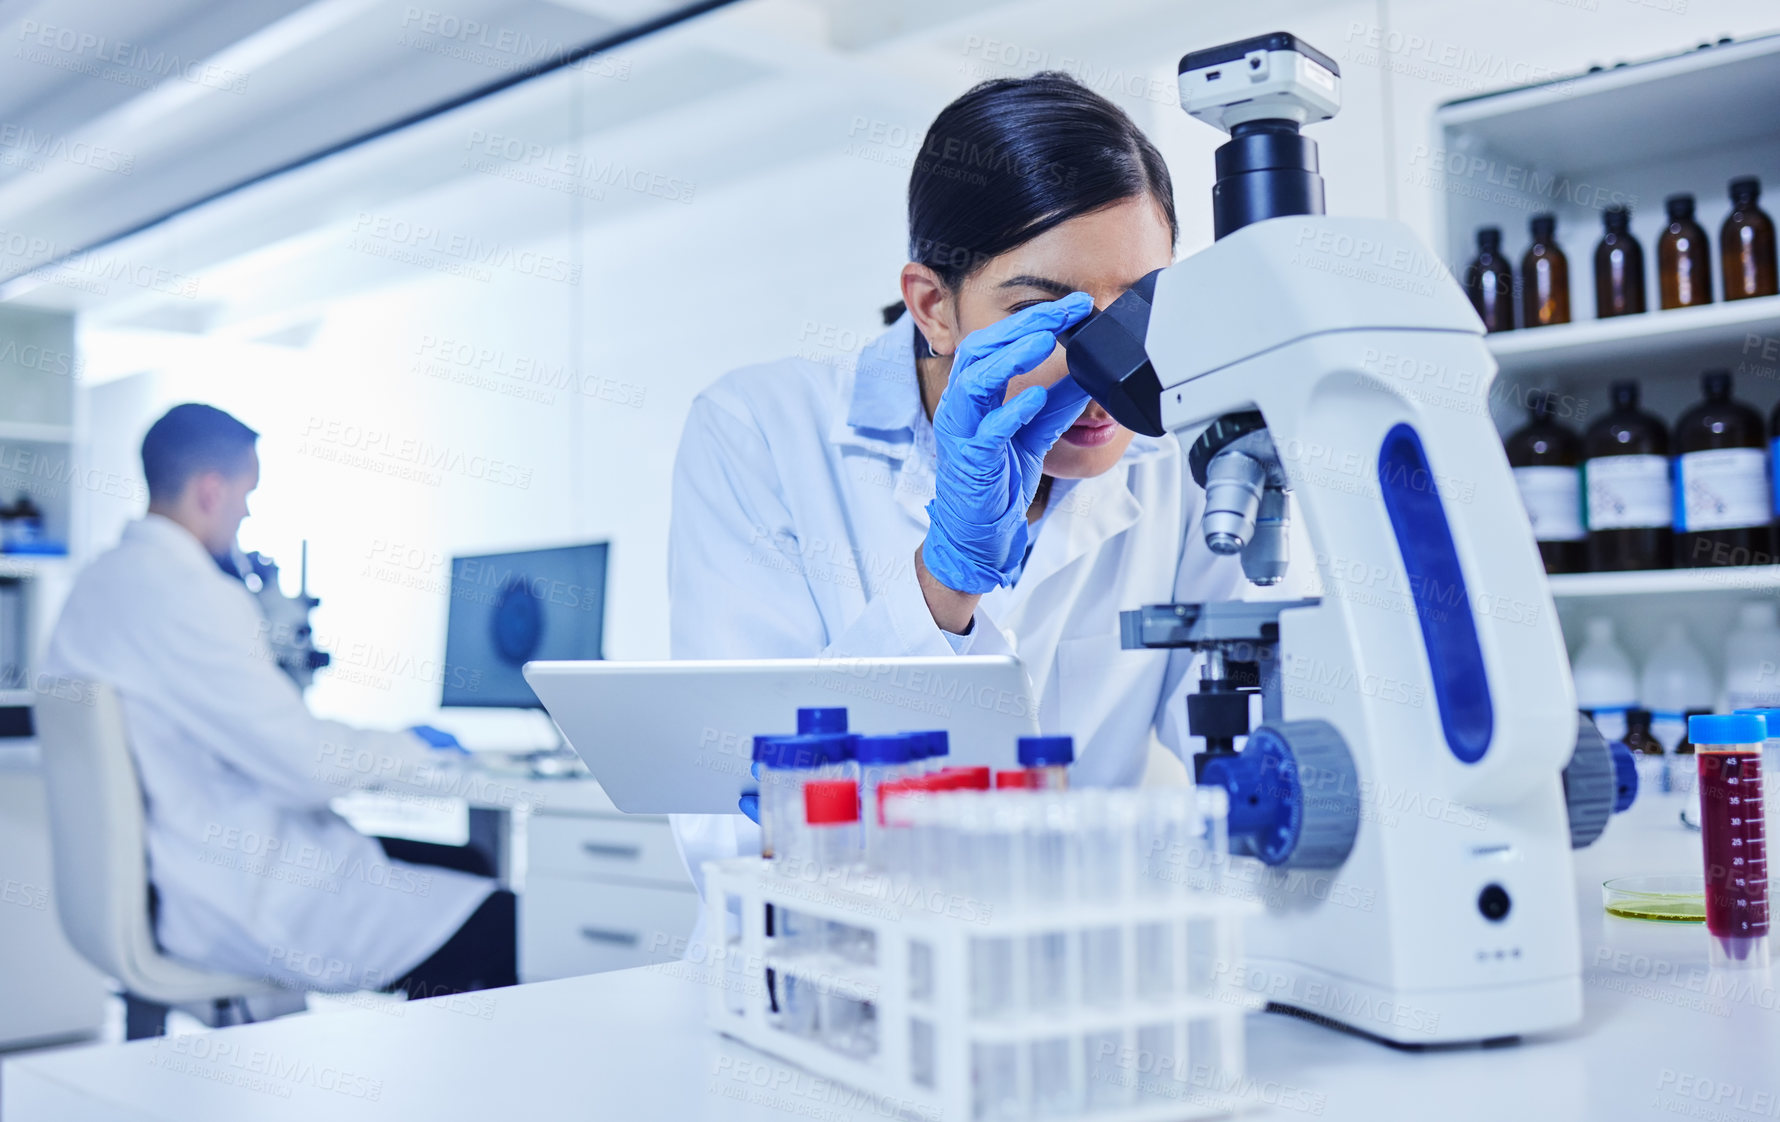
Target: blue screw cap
column 811, row 721
column 897, row 748
column 1046, row 751
column 931, row 744
column 1734, row 728
column 801, row 752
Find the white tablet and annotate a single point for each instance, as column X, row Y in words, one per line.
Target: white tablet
column 678, row 737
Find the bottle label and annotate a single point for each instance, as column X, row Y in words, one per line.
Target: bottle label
column 1553, row 498
column 1721, row 489
column 1626, row 492
column 1668, row 728
column 1611, row 721
column 1774, row 473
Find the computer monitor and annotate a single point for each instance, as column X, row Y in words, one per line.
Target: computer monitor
column 508, row 609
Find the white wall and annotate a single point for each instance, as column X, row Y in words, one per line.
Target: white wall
column 794, row 255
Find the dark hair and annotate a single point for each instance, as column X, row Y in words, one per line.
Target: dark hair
column 188, row 440
column 1014, row 157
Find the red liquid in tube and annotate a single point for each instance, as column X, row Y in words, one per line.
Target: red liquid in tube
column 1736, row 851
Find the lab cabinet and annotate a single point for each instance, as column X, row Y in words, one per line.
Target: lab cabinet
column 601, row 892
column 1627, row 136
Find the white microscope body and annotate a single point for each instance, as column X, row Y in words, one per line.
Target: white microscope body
column 1339, row 331
column 1439, row 905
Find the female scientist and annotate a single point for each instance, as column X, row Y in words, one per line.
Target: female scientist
column 949, row 492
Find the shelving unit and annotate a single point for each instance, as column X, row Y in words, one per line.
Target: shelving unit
column 1739, row 334
column 1743, row 580
column 37, row 441
column 1627, row 136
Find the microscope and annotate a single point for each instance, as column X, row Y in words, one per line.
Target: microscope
column 1421, row 773
column 289, row 636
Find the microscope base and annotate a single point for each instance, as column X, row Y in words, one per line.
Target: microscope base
column 1416, row 1018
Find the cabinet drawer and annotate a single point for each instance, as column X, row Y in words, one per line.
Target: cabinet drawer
column 569, row 926
column 630, row 848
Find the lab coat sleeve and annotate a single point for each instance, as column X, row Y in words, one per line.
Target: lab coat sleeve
column 739, row 572
column 230, row 693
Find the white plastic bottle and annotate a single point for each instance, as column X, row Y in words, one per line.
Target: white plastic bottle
column 1752, row 658
column 1676, row 678
column 1606, row 684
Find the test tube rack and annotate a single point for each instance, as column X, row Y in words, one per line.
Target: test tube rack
column 1154, row 1056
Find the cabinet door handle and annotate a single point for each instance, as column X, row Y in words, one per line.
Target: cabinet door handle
column 615, row 938
column 608, row 849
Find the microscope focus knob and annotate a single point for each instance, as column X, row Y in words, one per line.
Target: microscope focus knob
column 1294, row 795
column 1591, row 785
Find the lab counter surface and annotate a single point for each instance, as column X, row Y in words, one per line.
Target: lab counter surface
column 1656, row 1042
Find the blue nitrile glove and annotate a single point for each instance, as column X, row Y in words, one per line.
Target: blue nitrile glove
column 749, row 803
column 438, row 738
column 991, row 452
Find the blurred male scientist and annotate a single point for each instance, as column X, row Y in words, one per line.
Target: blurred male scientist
column 252, row 872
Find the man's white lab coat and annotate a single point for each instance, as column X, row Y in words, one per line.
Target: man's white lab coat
column 800, row 496
column 253, row 872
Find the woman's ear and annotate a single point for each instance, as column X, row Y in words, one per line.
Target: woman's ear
column 932, row 305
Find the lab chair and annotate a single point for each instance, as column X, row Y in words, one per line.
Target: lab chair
column 101, row 868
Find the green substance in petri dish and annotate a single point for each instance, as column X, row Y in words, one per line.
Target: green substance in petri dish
column 1675, row 909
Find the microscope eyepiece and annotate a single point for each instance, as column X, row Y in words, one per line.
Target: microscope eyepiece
column 1108, row 360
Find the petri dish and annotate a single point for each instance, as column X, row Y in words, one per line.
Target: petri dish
column 1664, row 898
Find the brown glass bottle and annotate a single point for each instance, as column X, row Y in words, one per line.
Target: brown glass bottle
column 1685, row 747
column 1637, row 734
column 1544, row 277
column 1619, row 267
column 1627, row 503
column 1547, row 462
column 1746, row 244
column 1683, row 261
column 1489, row 282
column 1723, row 510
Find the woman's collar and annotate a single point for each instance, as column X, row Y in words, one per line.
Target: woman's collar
column 886, row 395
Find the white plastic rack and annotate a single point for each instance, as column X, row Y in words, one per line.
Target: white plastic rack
column 1165, row 1043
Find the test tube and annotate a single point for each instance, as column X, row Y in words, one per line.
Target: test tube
column 1770, row 752
column 831, row 809
column 785, row 765
column 846, row 1023
column 991, row 840
column 1051, row 970
column 1733, row 832
column 1105, row 829
column 1104, row 834
column 1046, row 760
column 881, row 759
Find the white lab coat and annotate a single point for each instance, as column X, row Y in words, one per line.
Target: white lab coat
column 800, row 496
column 253, row 872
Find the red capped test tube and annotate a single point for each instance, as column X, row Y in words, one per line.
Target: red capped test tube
column 1733, row 832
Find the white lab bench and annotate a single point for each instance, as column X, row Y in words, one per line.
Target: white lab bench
column 632, row 1045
